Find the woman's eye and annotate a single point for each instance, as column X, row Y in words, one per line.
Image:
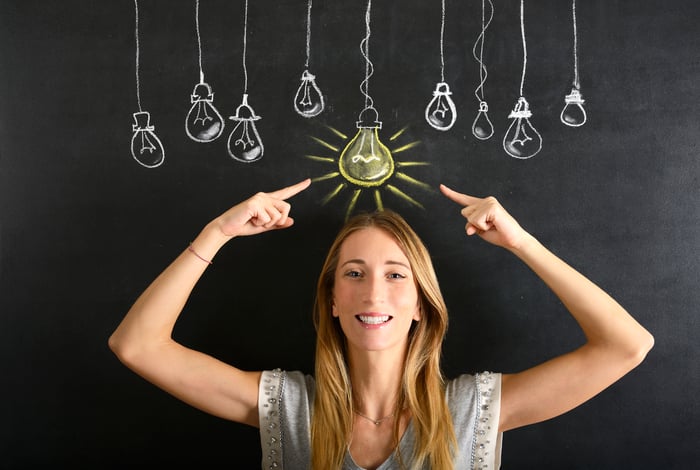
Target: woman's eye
column 353, row 274
column 396, row 276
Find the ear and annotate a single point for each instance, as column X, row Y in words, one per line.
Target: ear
column 418, row 316
column 334, row 310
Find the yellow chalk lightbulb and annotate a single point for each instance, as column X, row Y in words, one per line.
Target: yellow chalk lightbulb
column 366, row 161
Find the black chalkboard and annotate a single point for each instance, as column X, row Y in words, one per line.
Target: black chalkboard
column 84, row 228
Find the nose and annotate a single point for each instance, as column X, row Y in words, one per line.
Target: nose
column 375, row 289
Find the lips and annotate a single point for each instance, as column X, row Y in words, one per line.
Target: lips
column 373, row 321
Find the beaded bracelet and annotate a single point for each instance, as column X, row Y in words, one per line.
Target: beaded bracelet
column 197, row 255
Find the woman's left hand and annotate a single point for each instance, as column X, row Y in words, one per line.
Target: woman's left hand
column 488, row 219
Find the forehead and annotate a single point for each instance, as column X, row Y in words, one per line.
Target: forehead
column 371, row 242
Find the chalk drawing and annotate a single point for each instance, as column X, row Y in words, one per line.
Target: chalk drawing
column 244, row 143
column 522, row 140
column 308, row 100
column 365, row 164
column 441, row 112
column 203, row 122
column 371, row 170
column 482, row 128
column 574, row 114
column 146, row 147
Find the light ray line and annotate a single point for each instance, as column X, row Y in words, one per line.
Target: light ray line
column 337, row 132
column 403, row 195
column 321, row 159
column 396, row 136
column 402, row 164
column 378, row 200
column 413, row 181
column 325, row 177
column 353, row 201
column 406, row 147
column 332, row 194
column 325, row 144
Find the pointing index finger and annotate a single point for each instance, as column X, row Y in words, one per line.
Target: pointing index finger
column 289, row 191
column 459, row 198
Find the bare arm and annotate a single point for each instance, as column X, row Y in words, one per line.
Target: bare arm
column 615, row 342
column 143, row 340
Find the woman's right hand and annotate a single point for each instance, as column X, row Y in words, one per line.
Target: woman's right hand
column 260, row 213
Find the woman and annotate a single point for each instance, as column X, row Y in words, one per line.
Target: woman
column 378, row 398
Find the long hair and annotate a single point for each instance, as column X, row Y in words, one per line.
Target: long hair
column 423, row 385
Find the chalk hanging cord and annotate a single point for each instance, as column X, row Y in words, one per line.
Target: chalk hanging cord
column 245, row 48
column 482, row 128
column 369, row 67
column 364, row 119
column 199, row 41
column 244, row 143
column 146, row 147
column 136, row 33
column 442, row 42
column 308, row 100
column 441, row 112
column 573, row 114
column 203, row 123
column 522, row 140
column 522, row 34
column 308, row 34
column 577, row 84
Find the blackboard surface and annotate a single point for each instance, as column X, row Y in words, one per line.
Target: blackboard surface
column 84, row 228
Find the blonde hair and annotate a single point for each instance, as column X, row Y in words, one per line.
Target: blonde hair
column 423, row 386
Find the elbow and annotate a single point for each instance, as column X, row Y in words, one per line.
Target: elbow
column 647, row 345
column 121, row 348
column 641, row 348
column 115, row 345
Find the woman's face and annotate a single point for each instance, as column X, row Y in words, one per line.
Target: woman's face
column 374, row 296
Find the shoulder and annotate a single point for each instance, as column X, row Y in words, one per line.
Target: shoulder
column 475, row 403
column 277, row 384
column 474, row 398
column 284, row 404
column 467, row 386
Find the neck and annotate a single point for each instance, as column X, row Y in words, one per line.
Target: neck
column 376, row 381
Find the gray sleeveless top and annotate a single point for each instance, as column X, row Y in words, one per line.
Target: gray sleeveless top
column 286, row 399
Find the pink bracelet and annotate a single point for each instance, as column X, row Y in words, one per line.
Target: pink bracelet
column 197, row 255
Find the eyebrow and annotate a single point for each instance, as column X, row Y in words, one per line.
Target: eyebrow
column 389, row 262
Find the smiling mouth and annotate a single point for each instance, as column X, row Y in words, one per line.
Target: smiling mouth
column 374, row 319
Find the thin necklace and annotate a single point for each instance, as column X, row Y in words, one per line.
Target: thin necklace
column 376, row 422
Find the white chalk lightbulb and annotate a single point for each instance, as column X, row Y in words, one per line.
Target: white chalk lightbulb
column 308, row 101
column 573, row 114
column 204, row 122
column 521, row 140
column 441, row 112
column 146, row 147
column 366, row 161
column 244, row 143
column 482, row 128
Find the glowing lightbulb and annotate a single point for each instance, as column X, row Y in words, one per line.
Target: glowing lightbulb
column 482, row 127
column 244, row 142
column 204, row 122
column 441, row 112
column 522, row 140
column 366, row 161
column 146, row 147
column 308, row 101
column 573, row 113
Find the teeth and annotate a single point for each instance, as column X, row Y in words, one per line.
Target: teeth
column 373, row 320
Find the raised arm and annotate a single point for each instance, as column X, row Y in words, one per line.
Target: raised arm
column 143, row 341
column 615, row 342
